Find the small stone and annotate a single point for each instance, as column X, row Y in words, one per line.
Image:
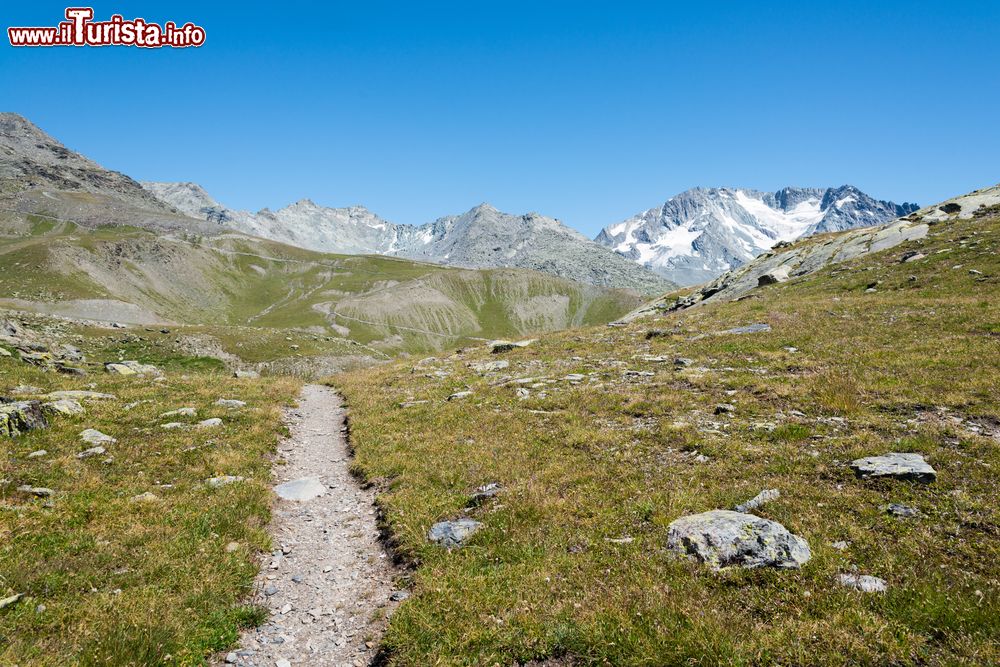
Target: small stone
column 399, row 596
column 214, row 422
column 489, row 366
column 246, row 374
column 897, row 465
column 724, row 408
column 93, row 451
column 37, row 454
column 216, row 482
column 459, row 394
column 232, row 546
column 39, row 491
column 682, row 362
column 282, row 663
column 230, row 403
column 453, row 533
column 839, row 545
column 231, row 658
column 173, row 425
column 484, row 493
column 94, row 437
column 147, row 497
column 297, row 578
column 903, row 511
column 863, row 582
column 765, row 496
column 270, row 590
column 180, row 412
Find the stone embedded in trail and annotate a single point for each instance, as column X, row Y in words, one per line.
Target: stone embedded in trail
column 20, row 417
column 302, row 489
column 230, row 403
column 453, row 534
column 723, row 538
column 65, row 406
column 862, row 582
column 765, row 496
column 895, row 464
column 94, row 437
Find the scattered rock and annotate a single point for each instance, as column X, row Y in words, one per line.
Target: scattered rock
column 765, row 496
column 724, row 409
column 11, row 600
column 172, row 425
column 302, row 489
column 65, row 406
column 911, row 256
column 230, row 403
column 246, row 374
column 683, row 362
column 20, row 417
column 147, row 497
column 723, row 538
column 459, row 394
column 399, row 596
column 93, row 451
column 94, row 437
column 484, row 493
column 214, row 422
column 895, row 464
column 39, row 491
column 131, row 368
column 28, row 389
column 4, row 352
column 839, row 545
column 79, row 394
column 453, row 534
column 216, row 482
column 270, row 590
column 498, row 346
column 749, row 329
column 862, row 582
column 489, row 366
column 180, row 412
column 37, row 454
column 902, row 511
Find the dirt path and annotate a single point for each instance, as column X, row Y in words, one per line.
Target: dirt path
column 328, row 577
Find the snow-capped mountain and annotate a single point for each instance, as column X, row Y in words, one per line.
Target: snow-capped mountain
column 701, row 233
column 480, row 238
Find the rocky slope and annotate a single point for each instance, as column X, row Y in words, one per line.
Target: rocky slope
column 788, row 261
column 702, row 233
column 480, row 238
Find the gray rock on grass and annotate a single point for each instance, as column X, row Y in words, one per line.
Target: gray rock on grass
column 723, row 538
column 862, row 582
column 453, row 534
column 19, row 417
column 896, row 465
column 94, row 437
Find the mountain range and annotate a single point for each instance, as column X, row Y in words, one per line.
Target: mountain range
column 704, row 232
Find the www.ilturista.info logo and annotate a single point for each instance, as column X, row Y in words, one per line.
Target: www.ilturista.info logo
column 79, row 29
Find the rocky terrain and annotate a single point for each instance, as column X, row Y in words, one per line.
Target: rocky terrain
column 701, row 233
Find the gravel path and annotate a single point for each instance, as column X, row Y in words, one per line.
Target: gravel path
column 328, row 581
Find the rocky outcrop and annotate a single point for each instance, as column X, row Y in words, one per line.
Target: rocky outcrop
column 19, row 417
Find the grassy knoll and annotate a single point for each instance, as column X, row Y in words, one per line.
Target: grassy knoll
column 863, row 358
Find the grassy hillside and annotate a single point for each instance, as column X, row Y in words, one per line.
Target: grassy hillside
column 866, row 357
column 120, row 273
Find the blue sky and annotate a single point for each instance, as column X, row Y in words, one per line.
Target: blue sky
column 588, row 112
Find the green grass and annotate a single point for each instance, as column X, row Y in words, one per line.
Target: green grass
column 615, row 456
column 109, row 581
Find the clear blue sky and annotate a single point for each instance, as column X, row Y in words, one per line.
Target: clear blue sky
column 588, row 112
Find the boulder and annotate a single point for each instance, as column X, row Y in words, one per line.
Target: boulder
column 723, row 538
column 897, row 465
column 20, row 417
column 459, row 394
column 778, row 275
column 453, row 534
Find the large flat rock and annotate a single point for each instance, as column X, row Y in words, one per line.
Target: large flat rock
column 302, row 489
column 723, row 538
